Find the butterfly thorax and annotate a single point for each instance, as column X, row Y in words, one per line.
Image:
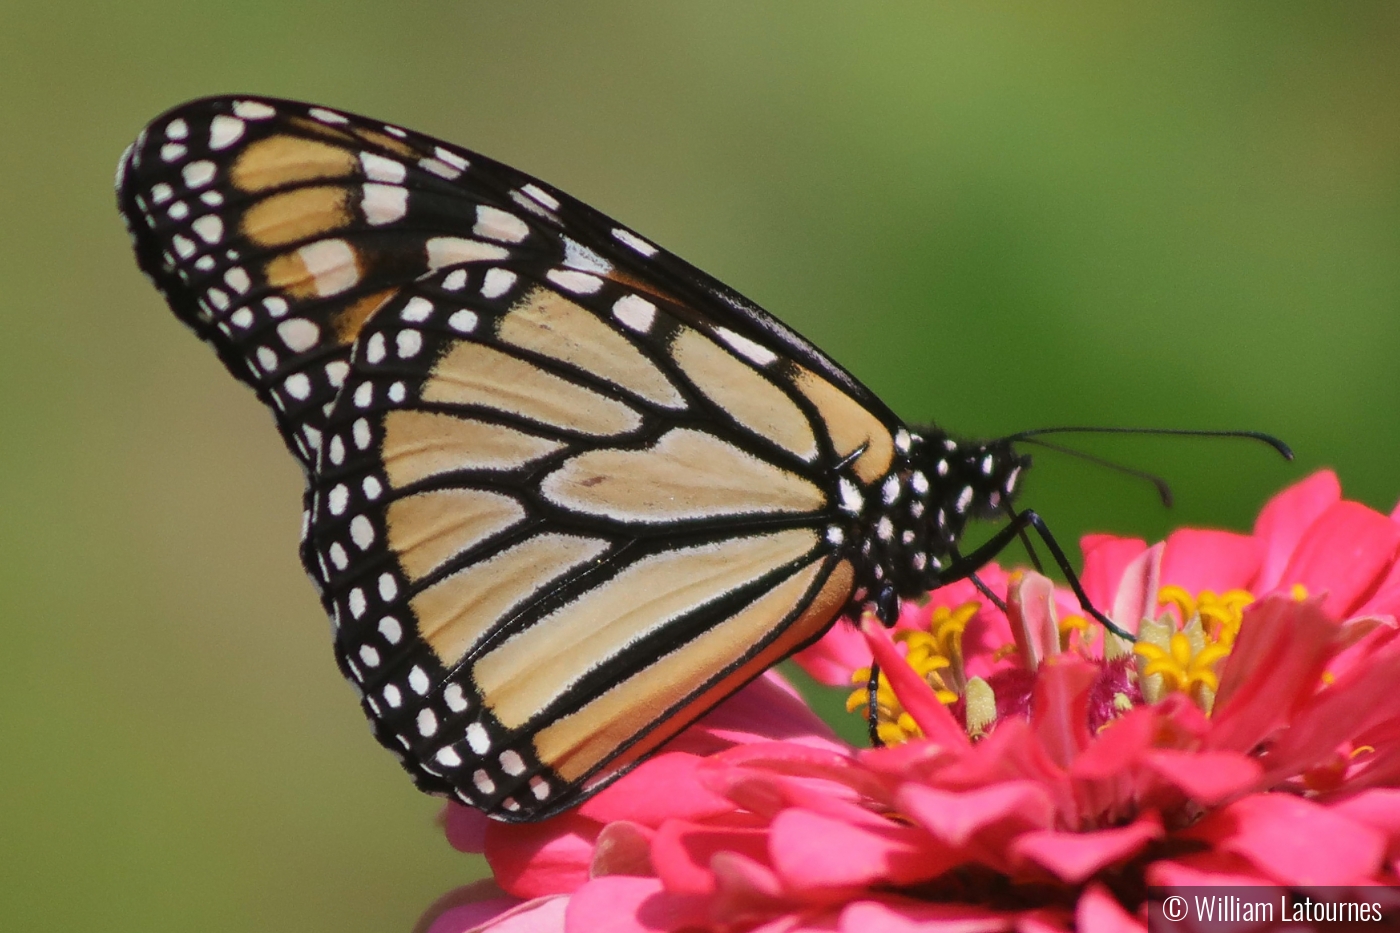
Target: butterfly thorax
column 911, row 526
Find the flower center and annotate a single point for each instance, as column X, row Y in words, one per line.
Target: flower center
column 1181, row 650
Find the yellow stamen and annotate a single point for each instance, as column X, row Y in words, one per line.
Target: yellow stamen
column 1182, row 666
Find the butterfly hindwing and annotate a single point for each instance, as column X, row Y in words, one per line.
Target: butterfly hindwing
column 558, row 521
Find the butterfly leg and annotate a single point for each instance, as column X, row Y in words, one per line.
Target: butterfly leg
column 965, row 565
column 872, row 706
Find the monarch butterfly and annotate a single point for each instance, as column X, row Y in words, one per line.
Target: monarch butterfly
column 565, row 491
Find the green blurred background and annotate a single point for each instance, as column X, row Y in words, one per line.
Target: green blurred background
column 999, row 215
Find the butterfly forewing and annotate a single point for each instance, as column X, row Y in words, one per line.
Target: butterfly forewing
column 276, row 230
column 566, row 491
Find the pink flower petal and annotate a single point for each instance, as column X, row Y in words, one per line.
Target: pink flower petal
column 764, row 778
column 746, row 890
column 917, row 696
column 466, row 907
column 1209, row 869
column 536, row 859
column 1345, row 553
column 1136, row 596
column 622, row 848
column 1362, row 697
column 1209, row 778
column 620, row 904
column 663, row 787
column 832, row 658
column 1295, row 841
column 542, row 915
column 1379, row 809
column 824, row 857
column 1060, row 708
column 1075, row 857
column 1286, row 517
column 1199, row 559
column 901, row 916
column 1276, row 664
column 765, row 710
column 1118, row 746
column 1030, row 607
column 465, row 827
column 1045, row 920
column 993, row 814
column 1098, row 912
column 809, row 920
column 1105, row 559
column 1010, row 752
column 681, row 853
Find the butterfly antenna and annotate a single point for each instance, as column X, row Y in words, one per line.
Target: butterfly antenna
column 1164, row 491
column 1283, row 449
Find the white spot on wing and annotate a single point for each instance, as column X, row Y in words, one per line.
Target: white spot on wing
column 253, row 110
column 463, row 321
column 327, row 116
column 441, row 169
column 417, row 310
column 408, row 343
column 580, row 283
column 851, row 499
column 635, row 312
column 497, row 282
column 496, row 224
column 198, row 174
column 628, row 238
column 451, row 158
column 238, row 280
column 383, row 204
column 512, row 763
column 578, row 256
column 209, row 227
column 390, row 628
column 299, row 334
column 224, row 131
column 378, row 168
column 361, row 532
column 753, row 351
column 450, row 250
column 542, row 196
column 331, row 264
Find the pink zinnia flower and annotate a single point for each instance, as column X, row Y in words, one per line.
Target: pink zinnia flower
column 1044, row 775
